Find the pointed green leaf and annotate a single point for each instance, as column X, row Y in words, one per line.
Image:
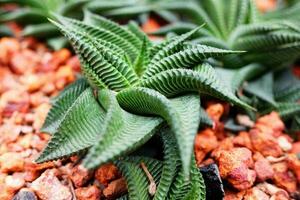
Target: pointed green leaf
column 62, row 105
column 97, row 20
column 171, row 164
column 102, row 67
column 235, row 78
column 187, row 58
column 172, row 46
column 193, row 189
column 177, row 27
column 97, row 33
column 142, row 61
column 206, row 81
column 262, row 88
column 78, row 129
column 286, row 86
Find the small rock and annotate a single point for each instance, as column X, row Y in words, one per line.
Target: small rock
column 115, row 189
column 273, row 191
column 215, row 111
column 25, row 195
column 244, row 120
column 284, row 143
column 107, row 173
column 213, row 182
column 283, row 177
column 296, row 147
column 265, row 143
column 294, row 165
column 241, row 178
column 234, row 166
column 242, row 140
column 48, row 187
column 224, row 145
column 11, row 162
column 263, row 168
column 80, row 175
column 88, row 193
column 233, row 195
column 205, row 142
column 255, row 194
column 5, row 193
column 273, row 121
column 14, row 183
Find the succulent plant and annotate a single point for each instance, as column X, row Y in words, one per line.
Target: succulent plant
column 284, row 10
column 132, row 90
column 120, row 9
column 271, row 42
column 33, row 15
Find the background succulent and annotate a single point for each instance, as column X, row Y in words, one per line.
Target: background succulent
column 133, row 89
column 33, row 15
column 271, row 42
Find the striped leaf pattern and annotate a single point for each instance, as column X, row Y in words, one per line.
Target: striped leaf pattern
column 78, row 129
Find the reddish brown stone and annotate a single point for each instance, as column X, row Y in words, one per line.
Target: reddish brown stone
column 272, row 121
column 11, row 162
column 283, row 177
column 294, row 165
column 232, row 195
column 8, row 47
column 242, row 140
column 47, row 187
column 234, row 166
column 88, row 193
column 226, row 144
column 215, row 111
column 80, row 176
column 205, row 142
column 241, row 177
column 24, row 61
column 265, row 143
column 255, row 194
column 115, row 189
column 14, row 183
column 12, row 107
column 263, row 168
column 106, row 173
column 74, row 63
column 273, row 191
column 296, row 148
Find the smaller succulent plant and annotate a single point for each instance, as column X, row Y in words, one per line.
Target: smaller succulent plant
column 285, row 10
column 33, row 15
column 120, row 9
column 279, row 91
column 132, row 89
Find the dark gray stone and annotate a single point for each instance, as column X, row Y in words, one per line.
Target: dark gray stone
column 25, row 195
column 213, row 182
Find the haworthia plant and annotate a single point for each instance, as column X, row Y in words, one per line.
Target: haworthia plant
column 130, row 90
column 271, row 42
column 271, row 39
